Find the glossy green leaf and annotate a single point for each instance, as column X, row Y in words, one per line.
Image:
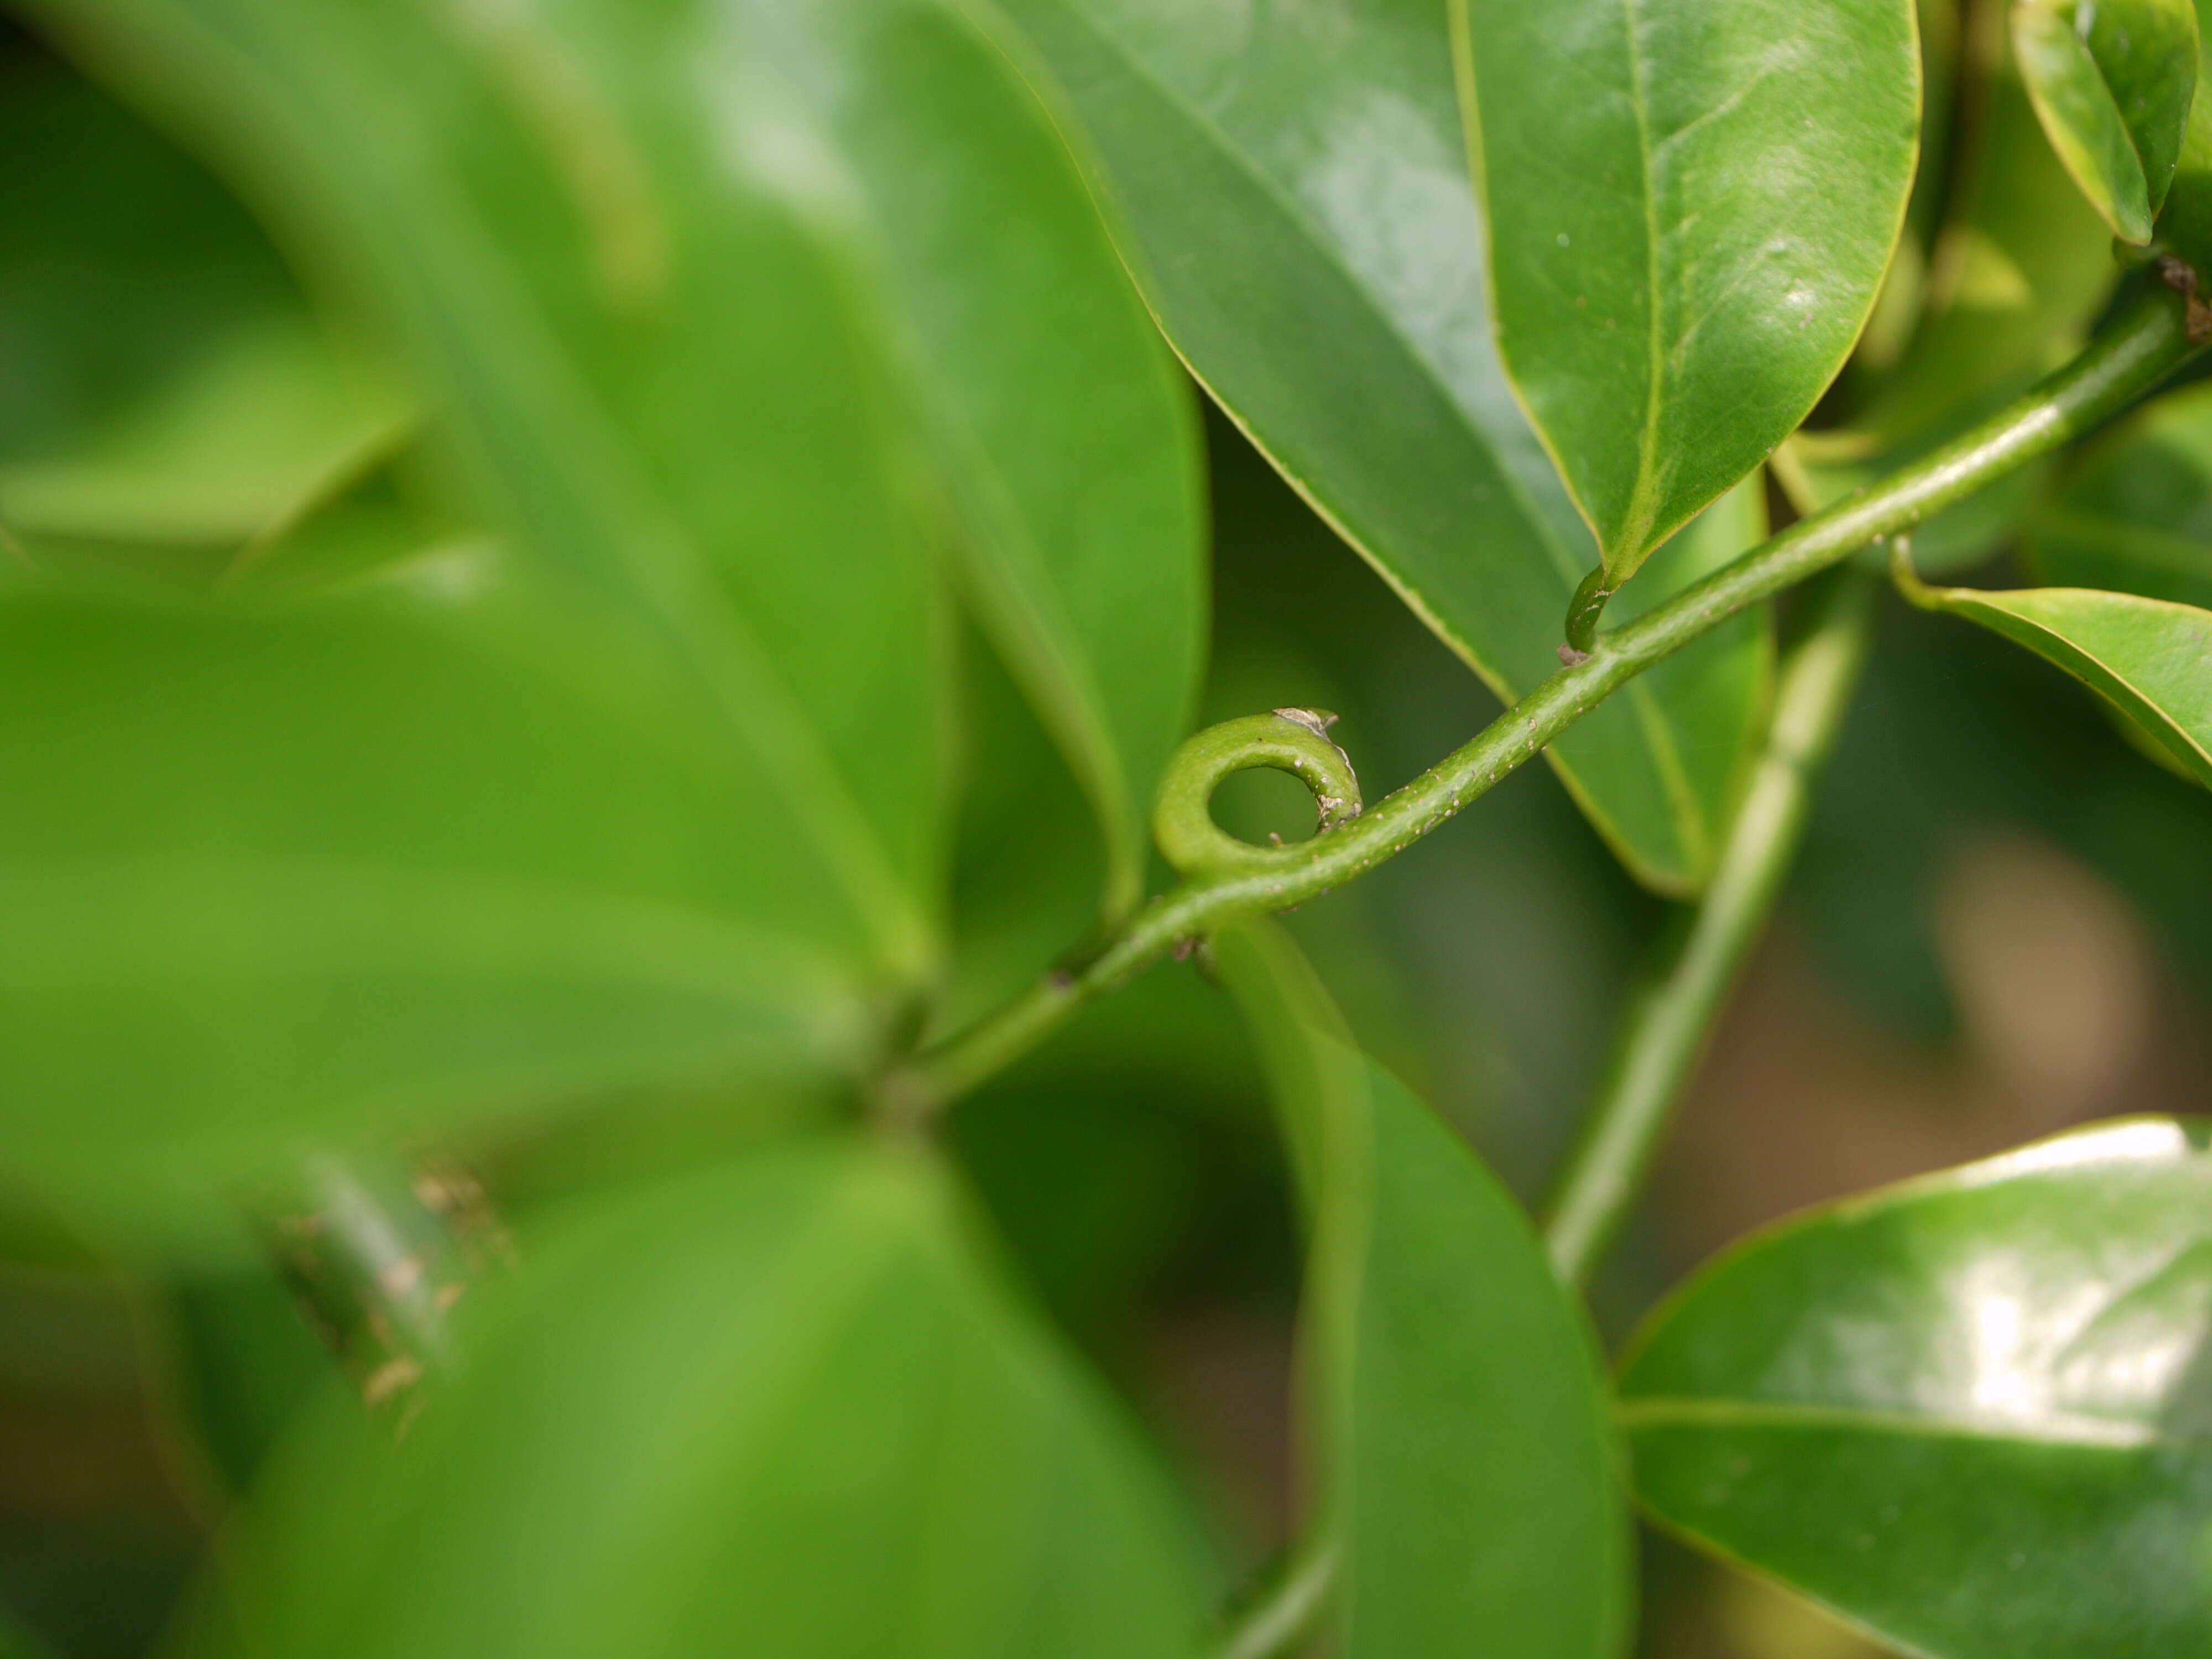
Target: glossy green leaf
column 1691, row 209
column 1968, row 1413
column 454, row 847
column 1467, row 1466
column 777, row 1407
column 161, row 377
column 2111, row 82
column 2137, row 514
column 2150, row 659
column 1294, row 192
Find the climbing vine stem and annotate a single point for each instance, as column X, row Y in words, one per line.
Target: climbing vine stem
column 1670, row 1019
column 2145, row 343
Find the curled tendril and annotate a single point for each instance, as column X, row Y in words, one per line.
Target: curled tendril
column 1293, row 740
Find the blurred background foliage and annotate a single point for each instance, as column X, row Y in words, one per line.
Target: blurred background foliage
column 2001, row 922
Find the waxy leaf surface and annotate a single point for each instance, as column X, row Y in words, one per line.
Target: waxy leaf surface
column 1293, row 188
column 2150, row 659
column 2137, row 514
column 456, row 846
column 1466, row 1464
column 1969, row 1413
column 1691, row 209
column 2111, row 82
column 779, row 1407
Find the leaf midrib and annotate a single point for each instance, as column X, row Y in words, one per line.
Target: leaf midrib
column 1635, row 526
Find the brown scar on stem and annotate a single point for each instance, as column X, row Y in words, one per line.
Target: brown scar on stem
column 2181, row 278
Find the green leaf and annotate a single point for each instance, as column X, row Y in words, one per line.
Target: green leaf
column 2111, row 82
column 1691, row 209
column 1294, row 197
column 164, row 381
column 559, row 209
column 875, row 166
column 778, row 1407
column 1466, row 1462
column 2149, row 658
column 1062, row 427
column 2137, row 514
column 1968, row 1413
column 454, row 848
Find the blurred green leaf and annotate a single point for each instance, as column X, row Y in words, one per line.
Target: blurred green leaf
column 555, row 205
column 2018, row 273
column 2111, row 81
column 1026, row 873
column 914, row 239
column 779, row 1405
column 161, row 378
column 1466, row 1461
column 243, row 1360
column 16, row 1643
column 1968, row 1413
column 1296, row 194
column 1062, row 427
column 2137, row 514
column 1691, row 211
column 459, row 844
column 2150, row 659
column 1942, row 24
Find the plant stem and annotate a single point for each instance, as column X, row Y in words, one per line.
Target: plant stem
column 1669, row 1024
column 2140, row 348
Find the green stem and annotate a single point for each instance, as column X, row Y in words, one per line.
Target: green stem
column 2128, row 360
column 1667, row 1025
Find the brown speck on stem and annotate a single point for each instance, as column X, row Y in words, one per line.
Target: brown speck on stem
column 2182, row 279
